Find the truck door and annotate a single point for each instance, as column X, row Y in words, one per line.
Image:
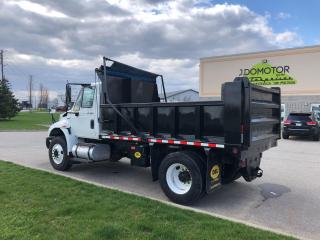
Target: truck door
column 83, row 117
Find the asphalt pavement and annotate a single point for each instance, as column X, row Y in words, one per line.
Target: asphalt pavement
column 286, row 198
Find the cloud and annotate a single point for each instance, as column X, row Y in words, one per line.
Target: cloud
column 288, row 37
column 65, row 40
column 283, row 15
column 37, row 8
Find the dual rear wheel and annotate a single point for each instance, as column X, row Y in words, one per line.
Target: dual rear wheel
column 182, row 177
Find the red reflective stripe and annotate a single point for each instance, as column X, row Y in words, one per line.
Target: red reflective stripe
column 169, row 141
column 123, row 138
column 212, row 145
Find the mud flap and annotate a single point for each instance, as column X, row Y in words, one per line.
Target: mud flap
column 213, row 176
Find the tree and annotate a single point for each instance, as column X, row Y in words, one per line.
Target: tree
column 9, row 106
column 43, row 97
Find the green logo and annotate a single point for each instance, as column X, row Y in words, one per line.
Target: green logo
column 266, row 74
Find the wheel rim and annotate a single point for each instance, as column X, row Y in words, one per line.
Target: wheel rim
column 179, row 178
column 57, row 154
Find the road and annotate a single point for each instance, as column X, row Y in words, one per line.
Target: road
column 286, row 198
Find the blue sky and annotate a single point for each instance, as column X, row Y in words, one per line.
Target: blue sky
column 302, row 17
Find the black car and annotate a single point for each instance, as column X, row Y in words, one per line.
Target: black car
column 301, row 124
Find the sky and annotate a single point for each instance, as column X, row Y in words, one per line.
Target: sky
column 57, row 41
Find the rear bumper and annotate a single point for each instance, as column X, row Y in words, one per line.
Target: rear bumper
column 300, row 131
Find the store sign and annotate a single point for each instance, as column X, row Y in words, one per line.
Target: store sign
column 266, row 74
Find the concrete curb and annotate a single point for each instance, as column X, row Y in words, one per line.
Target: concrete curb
column 173, row 204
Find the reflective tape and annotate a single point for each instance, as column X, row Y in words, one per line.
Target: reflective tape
column 163, row 141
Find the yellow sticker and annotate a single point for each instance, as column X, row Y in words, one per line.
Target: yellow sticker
column 215, row 171
column 137, row 155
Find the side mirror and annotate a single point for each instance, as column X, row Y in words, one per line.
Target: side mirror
column 68, row 97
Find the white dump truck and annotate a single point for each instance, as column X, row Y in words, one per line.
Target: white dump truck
column 191, row 147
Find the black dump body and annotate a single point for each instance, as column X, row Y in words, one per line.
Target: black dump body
column 126, row 84
column 248, row 115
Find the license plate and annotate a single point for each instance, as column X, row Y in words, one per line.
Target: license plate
column 299, row 124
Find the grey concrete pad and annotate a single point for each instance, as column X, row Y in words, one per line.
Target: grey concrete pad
column 286, row 198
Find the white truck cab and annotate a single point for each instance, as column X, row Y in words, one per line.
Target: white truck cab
column 81, row 120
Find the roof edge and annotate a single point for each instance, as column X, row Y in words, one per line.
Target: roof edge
column 271, row 52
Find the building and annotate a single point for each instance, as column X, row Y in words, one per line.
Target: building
column 188, row 95
column 294, row 70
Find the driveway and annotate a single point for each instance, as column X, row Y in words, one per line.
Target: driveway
column 286, row 198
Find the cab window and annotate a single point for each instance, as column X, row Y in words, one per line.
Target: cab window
column 87, row 97
column 77, row 104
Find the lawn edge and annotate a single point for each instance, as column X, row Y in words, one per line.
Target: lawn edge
column 24, row 130
column 189, row 208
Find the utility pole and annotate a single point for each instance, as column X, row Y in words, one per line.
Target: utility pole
column 1, row 62
column 30, row 84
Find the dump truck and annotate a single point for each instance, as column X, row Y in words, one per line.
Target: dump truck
column 192, row 148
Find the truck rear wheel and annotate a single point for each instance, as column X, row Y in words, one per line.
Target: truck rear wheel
column 285, row 135
column 58, row 154
column 181, row 176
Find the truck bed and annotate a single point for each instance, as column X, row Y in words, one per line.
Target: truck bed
column 247, row 115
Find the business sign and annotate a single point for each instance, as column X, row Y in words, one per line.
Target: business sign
column 295, row 71
column 265, row 74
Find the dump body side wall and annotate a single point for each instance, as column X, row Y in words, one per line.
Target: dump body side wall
column 248, row 115
column 191, row 121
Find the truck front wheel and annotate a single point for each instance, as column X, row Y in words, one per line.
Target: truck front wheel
column 181, row 177
column 58, row 154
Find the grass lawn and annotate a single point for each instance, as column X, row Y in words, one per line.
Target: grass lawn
column 40, row 205
column 27, row 121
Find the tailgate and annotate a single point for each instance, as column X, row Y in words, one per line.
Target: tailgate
column 262, row 116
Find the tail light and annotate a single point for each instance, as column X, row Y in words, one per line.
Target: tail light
column 287, row 122
column 312, row 123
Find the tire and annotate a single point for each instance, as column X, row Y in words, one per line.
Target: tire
column 285, row 136
column 58, row 154
column 182, row 177
column 316, row 138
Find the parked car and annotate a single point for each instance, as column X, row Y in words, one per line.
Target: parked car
column 301, row 124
